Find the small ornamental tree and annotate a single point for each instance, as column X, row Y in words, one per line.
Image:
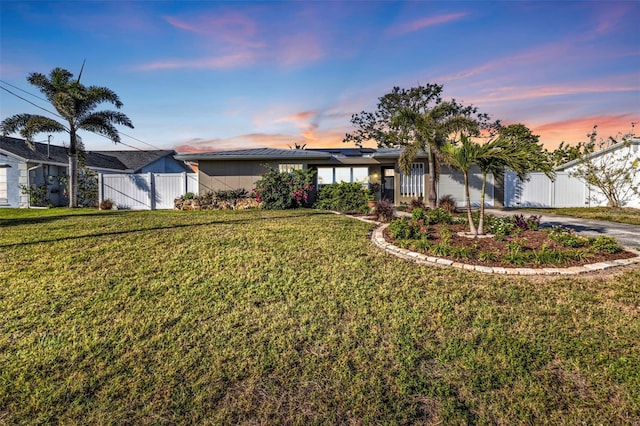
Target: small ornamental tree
column 615, row 175
column 285, row 190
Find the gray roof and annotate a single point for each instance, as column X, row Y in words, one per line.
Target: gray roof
column 293, row 154
column 136, row 160
column 256, row 154
column 19, row 148
column 112, row 160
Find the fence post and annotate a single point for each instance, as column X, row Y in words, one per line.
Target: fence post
column 185, row 182
column 152, row 192
column 100, row 190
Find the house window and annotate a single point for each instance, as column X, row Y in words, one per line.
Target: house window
column 289, row 167
column 3, row 185
column 327, row 175
column 412, row 185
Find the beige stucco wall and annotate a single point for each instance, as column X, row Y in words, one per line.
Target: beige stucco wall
column 217, row 175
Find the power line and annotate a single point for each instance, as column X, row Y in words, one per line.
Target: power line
column 28, row 101
column 58, row 115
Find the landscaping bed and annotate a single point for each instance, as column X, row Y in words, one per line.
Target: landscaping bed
column 470, row 250
column 517, row 242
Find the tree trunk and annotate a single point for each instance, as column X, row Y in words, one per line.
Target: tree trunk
column 73, row 169
column 472, row 226
column 433, row 195
column 73, row 180
column 481, row 219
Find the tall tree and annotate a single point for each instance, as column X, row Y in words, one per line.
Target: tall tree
column 416, row 119
column 76, row 104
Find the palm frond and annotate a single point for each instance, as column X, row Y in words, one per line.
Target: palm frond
column 29, row 125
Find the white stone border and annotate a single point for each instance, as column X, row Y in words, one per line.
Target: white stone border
column 377, row 238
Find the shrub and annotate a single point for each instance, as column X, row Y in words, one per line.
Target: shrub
column 438, row 215
column 384, row 210
column 447, row 203
column 445, row 234
column 487, row 256
column 440, row 249
column 566, row 237
column 606, row 244
column 418, row 213
column 532, row 222
column 461, row 252
column 106, row 204
column 500, row 226
column 343, row 197
column 400, row 229
column 87, row 188
column 37, row 194
column 418, row 203
column 285, row 190
column 230, row 194
column 189, row 196
column 409, row 229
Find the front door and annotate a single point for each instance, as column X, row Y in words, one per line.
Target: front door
column 388, row 184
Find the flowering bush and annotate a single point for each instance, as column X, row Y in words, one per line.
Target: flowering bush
column 285, row 190
column 404, row 229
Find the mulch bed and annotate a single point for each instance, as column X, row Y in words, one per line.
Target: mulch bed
column 534, row 240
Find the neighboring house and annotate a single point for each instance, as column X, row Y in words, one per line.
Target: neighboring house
column 242, row 169
column 610, row 155
column 157, row 161
column 22, row 166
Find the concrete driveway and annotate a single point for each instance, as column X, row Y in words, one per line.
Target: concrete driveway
column 627, row 235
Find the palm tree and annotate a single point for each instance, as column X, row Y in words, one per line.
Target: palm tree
column 462, row 157
column 429, row 132
column 75, row 103
column 517, row 149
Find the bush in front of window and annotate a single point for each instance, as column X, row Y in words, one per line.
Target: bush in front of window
column 348, row 197
column 285, row 190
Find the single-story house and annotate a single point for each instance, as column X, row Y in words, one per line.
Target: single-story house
column 21, row 165
column 242, row 168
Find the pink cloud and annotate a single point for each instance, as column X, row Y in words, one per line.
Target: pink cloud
column 409, row 27
column 610, row 17
column 235, row 60
column 298, row 118
column 299, row 49
column 312, row 135
column 575, row 130
column 512, row 93
column 233, row 28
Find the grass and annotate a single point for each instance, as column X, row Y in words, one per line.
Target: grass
column 621, row 215
column 293, row 317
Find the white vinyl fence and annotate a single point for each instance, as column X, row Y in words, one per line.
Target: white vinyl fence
column 145, row 191
column 540, row 191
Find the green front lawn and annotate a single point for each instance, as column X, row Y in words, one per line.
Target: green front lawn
column 293, row 317
column 622, row 215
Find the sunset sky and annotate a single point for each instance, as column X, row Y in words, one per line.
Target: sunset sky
column 204, row 76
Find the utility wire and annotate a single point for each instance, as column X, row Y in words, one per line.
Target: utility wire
column 28, row 101
column 57, row 115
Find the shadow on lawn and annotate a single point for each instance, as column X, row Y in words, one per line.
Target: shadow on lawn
column 46, row 219
column 154, row 228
